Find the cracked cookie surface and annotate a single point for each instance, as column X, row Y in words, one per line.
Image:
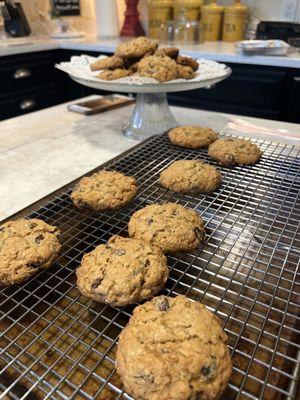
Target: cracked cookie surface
column 170, row 226
column 161, row 68
column 136, row 48
column 107, row 63
column 112, row 75
column 171, row 52
column 233, row 151
column 104, row 190
column 26, row 246
column 187, row 62
column 173, row 349
column 192, row 136
column 122, row 272
column 190, row 176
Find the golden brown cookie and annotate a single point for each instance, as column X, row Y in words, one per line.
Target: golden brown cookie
column 136, row 48
column 112, row 75
column 26, row 246
column 104, row 190
column 171, row 52
column 185, row 72
column 173, row 349
column 190, row 176
column 170, row 226
column 188, row 62
column 123, row 271
column 161, row 68
column 192, row 136
column 107, row 63
column 232, row 151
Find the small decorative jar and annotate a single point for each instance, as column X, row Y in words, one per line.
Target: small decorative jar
column 159, row 12
column 211, row 21
column 187, row 9
column 234, row 23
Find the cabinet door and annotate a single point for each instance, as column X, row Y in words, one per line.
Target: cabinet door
column 26, row 71
column 28, row 101
column 293, row 111
column 250, row 90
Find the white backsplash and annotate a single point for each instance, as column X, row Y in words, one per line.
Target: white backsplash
column 262, row 9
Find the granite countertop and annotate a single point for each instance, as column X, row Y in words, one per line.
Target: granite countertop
column 44, row 150
column 217, row 51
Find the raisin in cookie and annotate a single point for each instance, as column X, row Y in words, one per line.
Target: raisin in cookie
column 232, row 151
column 173, row 349
column 190, row 176
column 188, row 62
column 185, row 72
column 170, row 226
column 26, row 246
column 104, row 190
column 107, row 63
column 122, row 272
column 136, row 48
column 112, row 75
column 192, row 136
column 171, row 52
column 161, row 68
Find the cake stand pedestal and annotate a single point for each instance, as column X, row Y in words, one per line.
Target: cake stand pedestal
column 151, row 114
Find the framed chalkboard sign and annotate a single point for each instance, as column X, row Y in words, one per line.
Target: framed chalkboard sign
column 66, row 7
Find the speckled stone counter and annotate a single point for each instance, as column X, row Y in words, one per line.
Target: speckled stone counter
column 44, row 150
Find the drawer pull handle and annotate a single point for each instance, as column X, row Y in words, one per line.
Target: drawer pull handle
column 297, row 79
column 22, row 73
column 27, row 104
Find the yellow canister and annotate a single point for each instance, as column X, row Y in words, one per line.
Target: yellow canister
column 234, row 22
column 211, row 21
column 187, row 9
column 159, row 11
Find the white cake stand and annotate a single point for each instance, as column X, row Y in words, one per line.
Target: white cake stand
column 151, row 114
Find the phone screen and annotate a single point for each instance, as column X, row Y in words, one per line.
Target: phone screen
column 101, row 104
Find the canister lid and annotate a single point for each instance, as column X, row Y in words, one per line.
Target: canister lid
column 236, row 8
column 159, row 3
column 187, row 3
column 212, row 8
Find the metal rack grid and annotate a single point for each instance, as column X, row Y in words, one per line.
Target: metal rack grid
column 57, row 344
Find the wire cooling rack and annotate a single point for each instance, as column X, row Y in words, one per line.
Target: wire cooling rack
column 57, row 344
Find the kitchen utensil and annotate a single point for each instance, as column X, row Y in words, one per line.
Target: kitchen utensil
column 15, row 21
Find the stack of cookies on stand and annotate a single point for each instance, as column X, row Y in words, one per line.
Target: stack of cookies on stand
column 142, row 57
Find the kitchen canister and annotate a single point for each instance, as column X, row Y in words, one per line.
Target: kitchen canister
column 159, row 12
column 107, row 21
column 234, row 22
column 211, row 21
column 187, row 9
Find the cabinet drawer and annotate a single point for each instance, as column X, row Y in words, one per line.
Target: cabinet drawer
column 29, row 101
column 25, row 72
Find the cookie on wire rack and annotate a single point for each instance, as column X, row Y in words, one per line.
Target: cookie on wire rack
column 173, row 349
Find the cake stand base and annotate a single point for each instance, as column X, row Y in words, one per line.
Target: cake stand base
column 150, row 116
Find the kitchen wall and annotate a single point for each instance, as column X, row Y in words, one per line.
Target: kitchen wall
column 262, row 9
column 269, row 9
column 86, row 22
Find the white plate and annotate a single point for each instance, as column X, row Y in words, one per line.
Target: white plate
column 151, row 87
column 78, row 68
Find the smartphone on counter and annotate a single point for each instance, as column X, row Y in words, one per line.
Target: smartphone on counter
column 101, row 104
